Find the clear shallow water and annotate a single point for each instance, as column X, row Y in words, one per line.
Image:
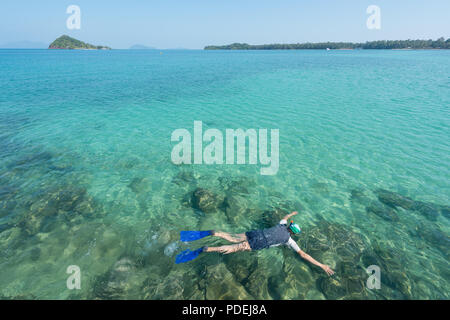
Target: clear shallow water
column 86, row 177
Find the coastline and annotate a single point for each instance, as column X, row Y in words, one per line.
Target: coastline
column 440, row 43
column 340, row 49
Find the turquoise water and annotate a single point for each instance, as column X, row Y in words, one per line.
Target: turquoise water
column 86, row 177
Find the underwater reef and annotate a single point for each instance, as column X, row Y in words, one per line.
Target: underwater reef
column 54, row 225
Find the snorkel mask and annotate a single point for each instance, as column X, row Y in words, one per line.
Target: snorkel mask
column 295, row 228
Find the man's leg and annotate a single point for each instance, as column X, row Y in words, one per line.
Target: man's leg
column 235, row 238
column 243, row 246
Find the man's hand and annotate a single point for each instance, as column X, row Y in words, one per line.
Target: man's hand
column 327, row 269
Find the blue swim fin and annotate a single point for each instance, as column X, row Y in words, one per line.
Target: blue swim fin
column 194, row 235
column 188, row 255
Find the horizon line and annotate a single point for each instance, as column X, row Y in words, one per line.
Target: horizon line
column 223, row 45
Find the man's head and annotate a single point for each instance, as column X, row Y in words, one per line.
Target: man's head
column 294, row 228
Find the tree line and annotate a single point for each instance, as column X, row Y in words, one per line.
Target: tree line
column 440, row 43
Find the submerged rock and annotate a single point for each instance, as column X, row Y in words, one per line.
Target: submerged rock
column 32, row 159
column 221, row 285
column 428, row 210
column 184, row 177
column 88, row 206
column 187, row 200
column 360, row 196
column 236, row 207
column 19, row 297
column 336, row 287
column 236, row 185
column 257, row 285
column 349, row 287
column 392, row 272
column 320, row 187
column 10, row 239
column 115, row 283
column 357, row 195
column 241, row 265
column 7, row 207
column 206, row 201
column 277, row 286
column 287, row 205
column 347, row 283
column 138, row 185
column 340, row 247
column 445, row 210
column 35, row 253
column 271, row 217
column 394, row 199
column 174, row 286
column 61, row 168
column 55, row 201
column 298, row 277
column 7, row 192
column 50, row 208
column 383, row 211
column 4, row 227
column 435, row 237
column 7, row 200
column 292, row 281
column 333, row 242
column 66, row 200
column 129, row 163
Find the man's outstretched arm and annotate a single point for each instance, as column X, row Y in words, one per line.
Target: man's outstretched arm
column 307, row 257
column 286, row 217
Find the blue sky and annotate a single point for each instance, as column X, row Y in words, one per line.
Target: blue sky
column 196, row 23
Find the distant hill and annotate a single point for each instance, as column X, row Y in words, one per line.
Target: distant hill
column 66, row 42
column 440, row 43
column 141, row 47
column 24, row 45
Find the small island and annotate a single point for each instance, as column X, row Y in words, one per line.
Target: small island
column 440, row 43
column 66, row 42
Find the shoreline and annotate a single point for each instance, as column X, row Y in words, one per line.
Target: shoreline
column 340, row 49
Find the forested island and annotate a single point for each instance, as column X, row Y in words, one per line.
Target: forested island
column 66, row 42
column 440, row 43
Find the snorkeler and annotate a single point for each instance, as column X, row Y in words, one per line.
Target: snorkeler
column 250, row 241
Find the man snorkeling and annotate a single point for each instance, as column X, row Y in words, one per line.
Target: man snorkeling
column 251, row 240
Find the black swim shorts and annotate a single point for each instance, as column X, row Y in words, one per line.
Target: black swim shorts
column 256, row 240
